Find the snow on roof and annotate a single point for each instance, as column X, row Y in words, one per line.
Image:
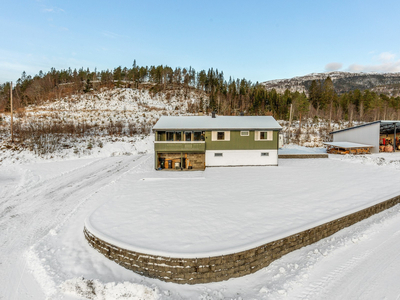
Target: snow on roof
column 219, row 122
column 347, row 145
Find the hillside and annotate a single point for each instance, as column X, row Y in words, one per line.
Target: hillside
column 85, row 124
column 89, row 125
column 386, row 83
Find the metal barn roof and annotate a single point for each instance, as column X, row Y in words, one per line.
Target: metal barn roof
column 366, row 124
column 387, row 126
column 217, row 123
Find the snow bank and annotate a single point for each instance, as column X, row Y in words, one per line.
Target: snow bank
column 95, row 290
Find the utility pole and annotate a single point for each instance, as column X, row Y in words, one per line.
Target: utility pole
column 290, row 124
column 11, row 102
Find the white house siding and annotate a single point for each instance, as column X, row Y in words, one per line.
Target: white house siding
column 241, row 158
column 368, row 135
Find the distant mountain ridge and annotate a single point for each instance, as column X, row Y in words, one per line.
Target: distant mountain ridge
column 386, row 83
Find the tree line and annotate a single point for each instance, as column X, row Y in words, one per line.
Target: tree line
column 226, row 96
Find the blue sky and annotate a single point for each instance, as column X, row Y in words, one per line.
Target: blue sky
column 258, row 40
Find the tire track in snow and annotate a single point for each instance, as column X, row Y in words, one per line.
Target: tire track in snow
column 9, row 197
column 39, row 208
column 370, row 270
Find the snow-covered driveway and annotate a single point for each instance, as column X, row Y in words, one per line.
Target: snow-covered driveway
column 34, row 199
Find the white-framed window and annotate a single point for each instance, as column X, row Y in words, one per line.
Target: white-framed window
column 244, row 133
column 218, row 154
column 264, row 153
column 264, row 135
column 220, row 136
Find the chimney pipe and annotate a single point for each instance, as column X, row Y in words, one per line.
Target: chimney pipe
column 213, row 114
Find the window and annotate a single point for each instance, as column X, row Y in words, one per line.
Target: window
column 217, row 154
column 244, row 133
column 220, row 135
column 170, row 136
column 178, row 136
column 197, row 135
column 188, row 136
column 160, row 135
column 264, row 153
column 264, row 136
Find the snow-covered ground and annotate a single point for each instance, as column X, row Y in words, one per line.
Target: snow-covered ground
column 45, row 199
column 44, row 254
column 227, row 210
column 296, row 149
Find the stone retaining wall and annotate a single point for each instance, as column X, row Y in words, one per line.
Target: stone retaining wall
column 315, row 155
column 218, row 268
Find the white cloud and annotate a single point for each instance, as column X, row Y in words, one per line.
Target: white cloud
column 387, row 63
column 111, row 35
column 51, row 9
column 386, row 56
column 333, row 66
column 389, row 67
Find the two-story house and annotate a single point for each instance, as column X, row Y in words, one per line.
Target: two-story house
column 196, row 142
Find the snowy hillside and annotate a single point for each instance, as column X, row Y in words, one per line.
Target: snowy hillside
column 387, row 83
column 89, row 125
column 85, row 125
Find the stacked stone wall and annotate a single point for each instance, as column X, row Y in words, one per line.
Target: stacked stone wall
column 305, row 156
column 218, row 268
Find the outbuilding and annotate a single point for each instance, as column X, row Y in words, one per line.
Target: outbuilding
column 379, row 136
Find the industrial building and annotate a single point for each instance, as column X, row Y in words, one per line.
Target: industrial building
column 378, row 136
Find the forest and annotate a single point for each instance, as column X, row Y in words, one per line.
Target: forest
column 225, row 96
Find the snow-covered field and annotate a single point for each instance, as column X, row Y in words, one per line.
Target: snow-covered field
column 43, row 206
column 227, row 210
column 45, row 199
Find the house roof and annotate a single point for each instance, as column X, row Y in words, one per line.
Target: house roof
column 218, row 123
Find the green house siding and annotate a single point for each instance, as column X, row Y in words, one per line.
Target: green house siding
column 238, row 142
column 180, row 147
